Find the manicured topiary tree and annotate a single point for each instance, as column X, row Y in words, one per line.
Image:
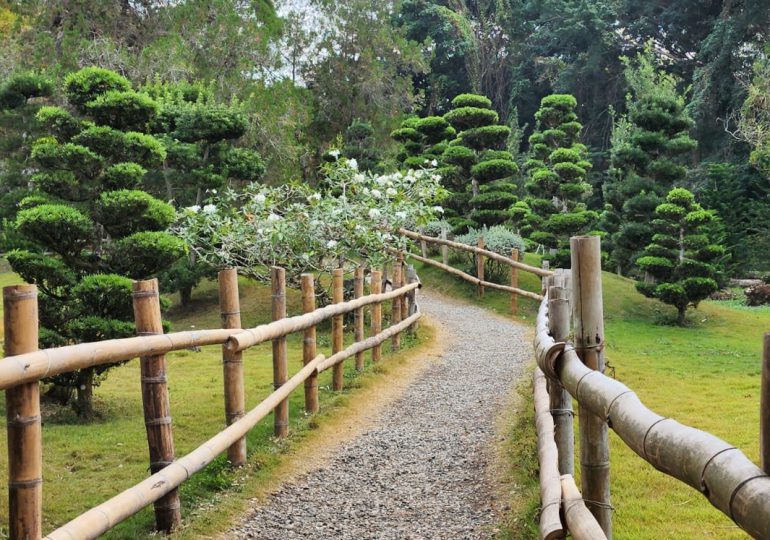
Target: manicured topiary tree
column 423, row 140
column 648, row 148
column 93, row 226
column 681, row 261
column 557, row 169
column 478, row 164
column 359, row 143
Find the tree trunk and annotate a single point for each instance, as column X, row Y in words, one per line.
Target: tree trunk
column 85, row 394
column 681, row 316
column 185, row 295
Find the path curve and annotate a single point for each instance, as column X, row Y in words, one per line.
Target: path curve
column 423, row 470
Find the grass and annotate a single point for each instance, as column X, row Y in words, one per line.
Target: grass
column 706, row 375
column 85, row 464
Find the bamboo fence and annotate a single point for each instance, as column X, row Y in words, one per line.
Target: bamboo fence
column 24, row 366
column 722, row 473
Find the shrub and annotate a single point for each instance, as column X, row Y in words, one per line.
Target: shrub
column 758, row 295
column 127, row 211
column 210, row 123
column 144, row 253
column 61, row 227
column 481, row 138
column 470, row 117
column 494, row 169
column 498, row 239
column 123, row 109
column 435, row 128
column 59, row 121
column 85, row 85
column 460, row 156
column 105, row 295
column 471, row 100
column 123, row 176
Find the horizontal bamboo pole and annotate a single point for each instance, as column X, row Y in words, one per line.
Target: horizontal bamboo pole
column 547, row 456
column 369, row 343
column 100, row 519
column 718, row 470
column 475, row 280
column 30, row 367
column 254, row 336
column 473, row 249
column 581, row 522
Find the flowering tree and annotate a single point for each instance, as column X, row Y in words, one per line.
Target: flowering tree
column 304, row 230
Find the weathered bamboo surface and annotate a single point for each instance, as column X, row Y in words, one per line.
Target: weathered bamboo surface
column 547, row 455
column 473, row 249
column 581, row 523
column 31, row 367
column 721, row 472
column 475, row 280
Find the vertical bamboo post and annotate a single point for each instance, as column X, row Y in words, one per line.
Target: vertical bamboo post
column 444, row 248
column 423, row 244
column 589, row 345
column 358, row 292
column 309, row 343
column 560, row 399
column 404, row 298
column 338, row 295
column 232, row 362
column 514, row 283
column 22, row 406
column 412, row 277
column 764, row 410
column 376, row 314
column 157, row 410
column 395, row 318
column 546, row 266
column 480, row 265
column 280, row 360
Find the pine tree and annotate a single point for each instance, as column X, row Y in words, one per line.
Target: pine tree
column 682, row 259
column 92, row 227
column 555, row 209
column 646, row 159
column 477, row 168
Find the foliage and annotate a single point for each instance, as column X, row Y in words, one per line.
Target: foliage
column 557, row 184
column 303, row 230
column 359, row 144
column 682, row 260
column 648, row 146
column 498, row 239
column 87, row 234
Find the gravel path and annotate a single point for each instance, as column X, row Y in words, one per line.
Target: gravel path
column 421, row 470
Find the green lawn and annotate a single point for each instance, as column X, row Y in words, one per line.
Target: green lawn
column 86, row 464
column 705, row 375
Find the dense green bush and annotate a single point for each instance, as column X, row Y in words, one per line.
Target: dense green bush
column 498, row 239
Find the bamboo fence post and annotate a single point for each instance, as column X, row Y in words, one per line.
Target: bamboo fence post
column 404, row 298
column 764, row 408
column 338, row 294
column 444, row 248
column 581, row 523
column 546, row 266
column 232, row 361
column 280, row 360
column 358, row 315
column 514, row 283
column 22, row 405
column 309, row 343
column 412, row 277
column 589, row 345
column 155, row 402
column 395, row 318
column 423, row 244
column 560, row 399
column 376, row 314
column 480, row 265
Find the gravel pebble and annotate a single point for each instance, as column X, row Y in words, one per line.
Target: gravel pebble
column 422, row 472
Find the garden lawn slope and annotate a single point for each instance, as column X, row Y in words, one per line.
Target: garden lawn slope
column 706, row 375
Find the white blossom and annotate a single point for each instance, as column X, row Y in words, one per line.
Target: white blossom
column 391, row 192
column 260, row 198
column 353, row 164
column 194, row 208
column 209, row 209
column 438, row 209
column 401, row 215
column 374, row 213
column 273, row 217
column 331, row 244
column 334, row 153
column 434, row 163
column 376, row 193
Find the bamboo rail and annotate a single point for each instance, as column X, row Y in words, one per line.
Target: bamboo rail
column 718, row 470
column 475, row 280
column 473, row 249
column 581, row 523
column 376, row 313
column 550, row 483
column 167, row 473
column 395, row 310
column 358, row 315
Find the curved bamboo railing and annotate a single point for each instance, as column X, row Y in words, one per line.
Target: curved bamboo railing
column 20, row 373
column 719, row 471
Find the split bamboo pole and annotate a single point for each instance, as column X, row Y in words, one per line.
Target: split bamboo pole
column 480, row 265
column 423, row 245
column 395, row 316
column 404, row 281
column 444, row 247
column 412, row 277
column 102, row 518
column 589, row 345
column 474, row 280
column 376, row 288
column 764, row 407
column 358, row 291
column 514, row 283
column 309, row 343
column 560, row 399
column 232, row 361
column 280, row 359
column 713, row 467
column 338, row 292
column 155, row 401
column 22, row 406
column 550, row 485
column 581, row 523
column 473, row 249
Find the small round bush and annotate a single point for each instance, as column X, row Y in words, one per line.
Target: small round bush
column 471, row 117
column 210, row 123
column 103, row 140
column 85, row 85
column 495, row 169
column 496, row 154
column 123, row 176
column 105, row 295
column 460, row 156
column 68, row 156
column 127, row 211
column 144, row 254
column 48, row 272
column 59, row 121
column 62, row 227
column 471, row 100
column 124, row 110
column 562, row 102
column 406, row 134
column 434, row 128
column 143, row 149
column 486, row 137
column 30, row 85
